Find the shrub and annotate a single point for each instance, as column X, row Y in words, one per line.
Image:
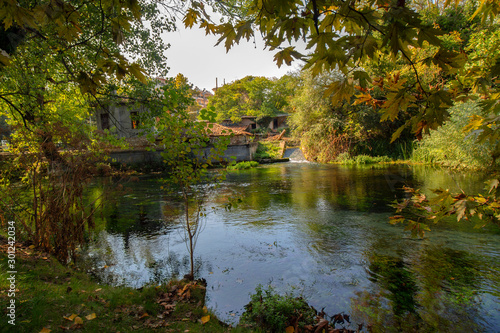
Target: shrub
column 268, row 150
column 243, row 165
column 361, row 159
column 274, row 313
column 450, row 145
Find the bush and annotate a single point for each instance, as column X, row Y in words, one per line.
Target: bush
column 268, row 150
column 361, row 159
column 274, row 313
column 450, row 145
column 243, row 165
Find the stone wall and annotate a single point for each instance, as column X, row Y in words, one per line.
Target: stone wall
column 138, row 156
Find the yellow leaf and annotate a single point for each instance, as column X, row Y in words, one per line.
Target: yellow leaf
column 31, row 246
column 98, row 289
column 78, row 321
column 70, row 318
column 90, row 316
column 289, row 329
column 144, row 315
column 45, row 330
column 205, row 319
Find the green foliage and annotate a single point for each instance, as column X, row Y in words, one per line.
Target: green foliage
column 274, row 313
column 243, row 165
column 252, row 96
column 345, row 158
column 266, row 150
column 326, row 130
column 450, row 145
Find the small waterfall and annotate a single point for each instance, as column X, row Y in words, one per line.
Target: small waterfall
column 295, row 155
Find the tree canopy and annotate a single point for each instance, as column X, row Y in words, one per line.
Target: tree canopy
column 252, row 96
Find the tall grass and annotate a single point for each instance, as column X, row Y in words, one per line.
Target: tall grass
column 345, row 158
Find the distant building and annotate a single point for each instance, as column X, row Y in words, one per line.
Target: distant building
column 122, row 118
column 201, row 97
column 248, row 123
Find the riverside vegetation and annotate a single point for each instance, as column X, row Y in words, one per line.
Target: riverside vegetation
column 391, row 70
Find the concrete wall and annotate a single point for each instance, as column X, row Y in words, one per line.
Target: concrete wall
column 139, row 156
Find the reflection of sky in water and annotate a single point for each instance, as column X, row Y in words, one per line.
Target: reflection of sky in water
column 317, row 230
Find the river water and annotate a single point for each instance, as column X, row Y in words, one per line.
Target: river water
column 320, row 231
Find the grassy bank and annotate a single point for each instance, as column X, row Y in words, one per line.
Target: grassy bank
column 50, row 297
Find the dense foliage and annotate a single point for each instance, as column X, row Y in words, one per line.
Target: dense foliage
column 272, row 312
column 327, row 130
column 450, row 145
column 252, row 96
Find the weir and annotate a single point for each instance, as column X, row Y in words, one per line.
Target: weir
column 295, row 155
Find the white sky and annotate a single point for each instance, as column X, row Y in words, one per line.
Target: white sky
column 193, row 54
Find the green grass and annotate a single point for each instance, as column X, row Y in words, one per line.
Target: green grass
column 47, row 292
column 345, row 158
column 243, row 165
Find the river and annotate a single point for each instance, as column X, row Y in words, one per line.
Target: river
column 320, row 231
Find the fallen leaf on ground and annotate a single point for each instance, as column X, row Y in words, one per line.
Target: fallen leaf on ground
column 70, row 318
column 290, row 329
column 90, row 316
column 205, row 319
column 144, row 315
column 78, row 321
column 45, row 330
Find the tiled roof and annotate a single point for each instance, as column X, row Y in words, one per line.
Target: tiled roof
column 220, row 130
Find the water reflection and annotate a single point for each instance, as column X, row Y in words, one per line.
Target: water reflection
column 322, row 231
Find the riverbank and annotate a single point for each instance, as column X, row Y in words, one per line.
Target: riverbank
column 45, row 296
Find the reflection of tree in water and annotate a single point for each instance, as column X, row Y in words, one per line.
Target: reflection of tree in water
column 449, row 280
column 392, row 274
column 126, row 219
column 392, row 305
column 172, row 267
column 434, row 291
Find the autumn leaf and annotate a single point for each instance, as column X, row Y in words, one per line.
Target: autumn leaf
column 78, row 321
column 45, row 330
column 290, row 329
column 70, row 318
column 190, row 18
column 90, row 316
column 287, row 56
column 205, row 319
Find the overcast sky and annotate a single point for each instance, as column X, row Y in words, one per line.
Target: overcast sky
column 193, row 54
